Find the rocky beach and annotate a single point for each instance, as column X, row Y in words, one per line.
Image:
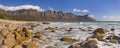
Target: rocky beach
column 22, row 34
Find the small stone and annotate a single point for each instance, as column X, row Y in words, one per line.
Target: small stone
column 112, row 29
column 38, row 36
column 42, row 42
column 53, row 30
column 65, row 39
column 31, row 45
column 74, row 46
column 45, row 22
column 49, row 47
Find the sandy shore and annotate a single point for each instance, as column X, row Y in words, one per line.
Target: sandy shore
column 2, row 21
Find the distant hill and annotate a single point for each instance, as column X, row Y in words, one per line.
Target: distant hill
column 34, row 15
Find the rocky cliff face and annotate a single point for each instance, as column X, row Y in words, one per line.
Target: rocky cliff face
column 31, row 15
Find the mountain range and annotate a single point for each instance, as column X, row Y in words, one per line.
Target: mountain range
column 50, row 15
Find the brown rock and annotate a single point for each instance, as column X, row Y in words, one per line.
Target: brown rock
column 100, row 34
column 19, row 38
column 4, row 32
column 38, row 36
column 100, row 30
column 65, row 39
column 42, row 42
column 10, row 40
column 24, row 29
column 31, row 45
column 113, row 39
column 90, row 43
column 49, row 47
column 1, row 39
column 4, row 46
column 18, row 46
column 112, row 29
column 27, row 32
column 53, row 30
column 74, row 46
column 45, row 22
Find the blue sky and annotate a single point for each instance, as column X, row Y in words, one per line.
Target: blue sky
column 102, row 9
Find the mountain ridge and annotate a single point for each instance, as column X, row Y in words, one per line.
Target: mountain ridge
column 34, row 15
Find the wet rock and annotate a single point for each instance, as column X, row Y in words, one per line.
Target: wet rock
column 100, row 30
column 112, row 29
column 31, row 45
column 49, row 47
column 53, row 30
column 45, row 22
column 74, row 46
column 82, row 29
column 70, row 29
column 113, row 39
column 39, row 36
column 100, row 34
column 18, row 46
column 65, row 39
column 90, row 43
column 90, row 28
column 42, row 42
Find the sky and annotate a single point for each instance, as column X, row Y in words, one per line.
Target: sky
column 101, row 10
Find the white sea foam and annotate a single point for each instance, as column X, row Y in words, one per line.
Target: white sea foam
column 76, row 33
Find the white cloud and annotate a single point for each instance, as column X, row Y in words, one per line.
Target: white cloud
column 93, row 16
column 110, row 18
column 14, row 8
column 85, row 10
column 50, row 8
column 78, row 10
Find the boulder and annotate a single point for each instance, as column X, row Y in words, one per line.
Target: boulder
column 10, row 40
column 90, row 43
column 31, row 45
column 66, row 39
column 20, row 39
column 113, row 39
column 100, row 30
column 100, row 34
column 27, row 32
column 4, row 32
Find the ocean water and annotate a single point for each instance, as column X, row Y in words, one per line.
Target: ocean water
column 76, row 33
